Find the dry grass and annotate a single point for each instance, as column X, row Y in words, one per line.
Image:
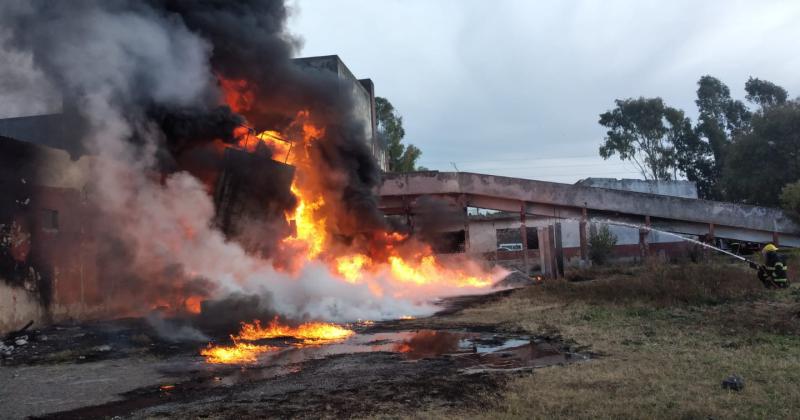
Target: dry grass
column 667, row 337
column 663, row 285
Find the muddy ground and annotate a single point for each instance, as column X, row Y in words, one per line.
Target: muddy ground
column 124, row 369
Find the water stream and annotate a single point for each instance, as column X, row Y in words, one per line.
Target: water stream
column 676, row 235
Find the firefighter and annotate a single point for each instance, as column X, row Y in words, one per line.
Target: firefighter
column 773, row 272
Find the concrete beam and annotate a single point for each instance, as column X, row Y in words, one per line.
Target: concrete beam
column 566, row 198
column 726, row 232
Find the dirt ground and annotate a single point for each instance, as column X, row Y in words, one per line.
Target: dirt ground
column 123, row 369
column 665, row 338
column 651, row 342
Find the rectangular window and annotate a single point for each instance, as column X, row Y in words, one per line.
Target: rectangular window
column 49, row 220
column 511, row 239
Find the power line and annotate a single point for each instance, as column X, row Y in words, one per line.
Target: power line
column 536, row 167
column 577, row 174
column 571, row 165
column 512, row 159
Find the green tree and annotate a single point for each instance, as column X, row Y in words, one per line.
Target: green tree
column 663, row 144
column 402, row 158
column 693, row 156
column 720, row 119
column 766, row 157
column 790, row 200
column 764, row 93
column 659, row 139
column 641, row 131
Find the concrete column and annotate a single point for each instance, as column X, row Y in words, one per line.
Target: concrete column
column 559, row 251
column 582, row 226
column 644, row 246
column 407, row 213
column 544, row 251
column 551, row 252
column 709, row 240
column 462, row 200
column 524, row 235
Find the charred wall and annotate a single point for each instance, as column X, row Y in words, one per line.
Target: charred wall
column 46, row 254
column 362, row 92
column 252, row 194
column 61, row 130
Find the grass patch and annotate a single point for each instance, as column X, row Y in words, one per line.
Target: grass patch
column 662, row 285
column 667, row 335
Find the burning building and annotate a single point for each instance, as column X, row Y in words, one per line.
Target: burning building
column 196, row 161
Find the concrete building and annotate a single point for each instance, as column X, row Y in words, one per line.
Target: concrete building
column 487, row 233
column 48, row 250
column 686, row 189
column 61, row 130
column 362, row 92
column 563, row 212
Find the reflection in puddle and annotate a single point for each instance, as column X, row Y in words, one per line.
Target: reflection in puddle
column 428, row 343
column 470, row 351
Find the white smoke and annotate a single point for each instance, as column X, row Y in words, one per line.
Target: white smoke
column 24, row 90
column 172, row 223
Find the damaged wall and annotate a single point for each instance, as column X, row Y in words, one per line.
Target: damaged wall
column 18, row 306
column 46, row 251
column 363, row 99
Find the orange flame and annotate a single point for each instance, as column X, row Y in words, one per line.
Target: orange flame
column 402, row 263
column 427, row 270
column 238, row 94
column 310, row 226
column 309, row 333
column 351, row 266
column 192, row 304
column 238, row 353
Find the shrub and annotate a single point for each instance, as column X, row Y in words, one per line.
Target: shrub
column 601, row 245
column 665, row 285
column 790, row 200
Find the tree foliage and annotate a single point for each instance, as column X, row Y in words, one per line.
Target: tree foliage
column 653, row 136
column 636, row 132
column 720, row 119
column 790, row 200
column 764, row 93
column 732, row 153
column 694, row 158
column 766, row 158
column 402, row 158
column 601, row 245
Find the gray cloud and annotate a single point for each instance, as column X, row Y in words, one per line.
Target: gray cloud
column 526, row 80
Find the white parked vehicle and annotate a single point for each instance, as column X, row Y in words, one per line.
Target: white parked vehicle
column 510, row 247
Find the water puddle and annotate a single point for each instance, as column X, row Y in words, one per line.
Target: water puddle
column 469, row 350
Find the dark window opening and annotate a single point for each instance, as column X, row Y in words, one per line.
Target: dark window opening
column 448, row 242
column 533, row 237
column 511, row 239
column 49, row 220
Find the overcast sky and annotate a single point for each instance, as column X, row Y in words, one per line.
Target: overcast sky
column 515, row 87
